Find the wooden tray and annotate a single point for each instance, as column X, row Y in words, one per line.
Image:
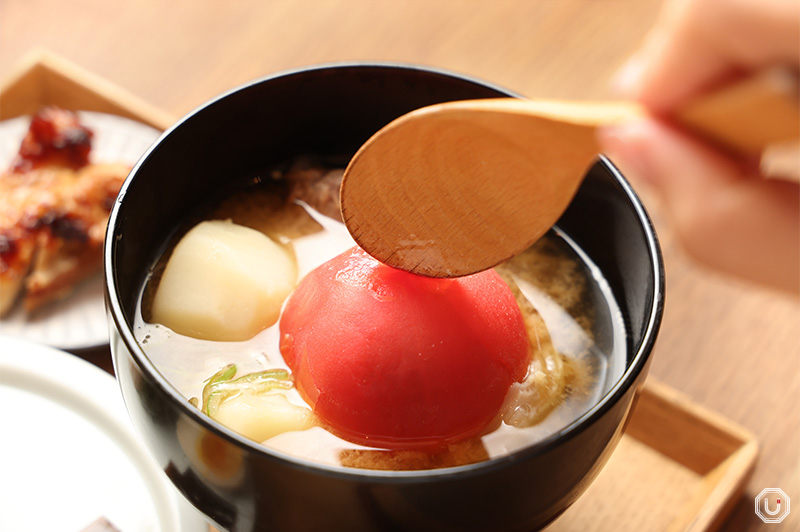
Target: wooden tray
column 678, row 467
column 43, row 78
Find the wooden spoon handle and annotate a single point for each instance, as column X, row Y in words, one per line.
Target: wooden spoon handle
column 745, row 117
column 748, row 116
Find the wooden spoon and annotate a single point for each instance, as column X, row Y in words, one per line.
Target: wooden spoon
column 456, row 188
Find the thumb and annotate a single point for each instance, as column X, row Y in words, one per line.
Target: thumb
column 726, row 215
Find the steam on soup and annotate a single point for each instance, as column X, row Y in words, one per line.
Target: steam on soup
column 265, row 315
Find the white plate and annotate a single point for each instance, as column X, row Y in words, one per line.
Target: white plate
column 68, row 453
column 78, row 321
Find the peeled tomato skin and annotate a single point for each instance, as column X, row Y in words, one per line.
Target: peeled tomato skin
column 390, row 359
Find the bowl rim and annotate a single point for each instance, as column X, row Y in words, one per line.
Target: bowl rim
column 612, row 396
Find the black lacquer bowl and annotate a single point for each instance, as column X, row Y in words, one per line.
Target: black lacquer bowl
column 242, row 486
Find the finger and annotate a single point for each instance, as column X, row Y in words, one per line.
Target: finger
column 726, row 215
column 698, row 44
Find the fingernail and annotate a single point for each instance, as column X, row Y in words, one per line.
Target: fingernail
column 626, row 78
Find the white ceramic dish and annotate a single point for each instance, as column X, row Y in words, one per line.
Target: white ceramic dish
column 78, row 321
column 68, row 453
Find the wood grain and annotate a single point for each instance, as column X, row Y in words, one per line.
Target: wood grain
column 679, row 467
column 733, row 348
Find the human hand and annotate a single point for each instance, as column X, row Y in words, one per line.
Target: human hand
column 726, row 213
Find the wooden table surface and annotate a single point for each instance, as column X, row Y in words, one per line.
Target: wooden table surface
column 731, row 347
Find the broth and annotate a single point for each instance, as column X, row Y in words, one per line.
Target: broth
column 564, row 298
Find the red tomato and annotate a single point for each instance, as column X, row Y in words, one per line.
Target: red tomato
column 394, row 360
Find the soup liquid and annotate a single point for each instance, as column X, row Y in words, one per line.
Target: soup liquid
column 564, row 291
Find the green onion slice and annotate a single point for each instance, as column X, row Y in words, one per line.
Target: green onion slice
column 222, row 385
